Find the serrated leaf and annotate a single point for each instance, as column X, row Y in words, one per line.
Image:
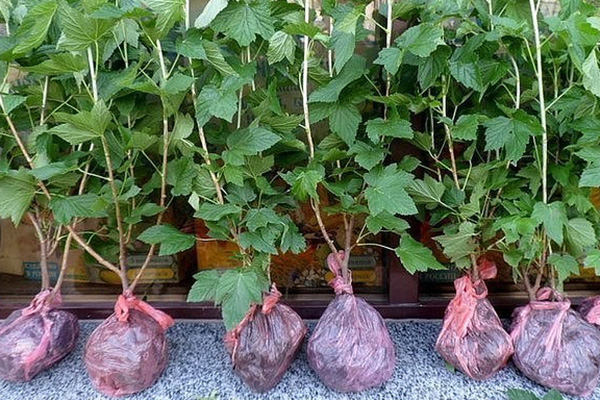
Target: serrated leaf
column 192, row 45
column 61, row 63
column 262, row 240
column 16, row 194
column 304, row 182
column 592, row 260
column 343, row 45
column 216, row 59
column 73, row 135
column 427, row 191
column 330, row 93
column 205, row 287
column 416, row 257
column 281, row 45
column 396, row 128
column 170, row 239
column 422, row 39
column 386, row 191
column 83, row 206
column 210, row 12
column 216, row 212
column 460, row 244
column 260, row 218
column 237, row 291
column 244, row 21
column 581, row 232
column 385, row 220
column 591, row 73
column 35, row 25
column 554, row 217
column 590, row 177
column 565, row 266
column 215, row 102
column 79, row 30
column 390, row 58
column 367, row 156
column 466, row 127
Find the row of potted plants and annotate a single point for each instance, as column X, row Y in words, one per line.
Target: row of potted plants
column 129, row 105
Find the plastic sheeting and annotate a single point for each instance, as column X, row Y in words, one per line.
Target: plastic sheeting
column 590, row 310
column 265, row 343
column 472, row 337
column 350, row 348
column 128, row 351
column 35, row 338
column 554, row 346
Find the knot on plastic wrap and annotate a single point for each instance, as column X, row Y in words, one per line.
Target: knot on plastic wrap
column 271, row 300
column 44, row 301
column 127, row 301
column 338, row 283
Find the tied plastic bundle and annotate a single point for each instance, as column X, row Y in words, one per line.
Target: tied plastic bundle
column 265, row 343
column 128, row 351
column 472, row 337
column 350, row 348
column 554, row 346
column 590, row 310
column 35, row 338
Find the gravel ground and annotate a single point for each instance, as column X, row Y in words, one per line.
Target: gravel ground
column 200, row 369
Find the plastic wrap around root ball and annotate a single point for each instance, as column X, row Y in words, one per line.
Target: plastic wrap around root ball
column 590, row 310
column 265, row 343
column 555, row 347
column 350, row 348
column 35, row 338
column 473, row 339
column 129, row 351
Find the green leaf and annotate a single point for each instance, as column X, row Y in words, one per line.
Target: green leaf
column 581, row 232
column 169, row 13
column 466, row 127
column 354, row 69
column 262, row 240
column 291, row 238
column 192, row 46
column 205, row 287
column 52, row 170
column 216, row 212
column 244, row 21
column 237, row 291
column 281, row 45
column 344, row 120
column 145, row 210
column 79, row 30
column 184, row 126
column 553, row 395
column 385, row 220
column 17, row 190
column 553, row 216
column 565, row 266
column 422, row 39
column 397, row 128
column 427, row 191
column 591, row 73
column 459, row 245
column 215, row 102
column 590, row 177
column 386, row 191
column 216, row 59
column 343, row 45
column 35, row 25
column 390, row 58
column 171, row 240
column 416, row 257
column 84, row 206
column 513, row 134
column 304, row 182
column 366, row 155
column 248, row 142
column 59, row 64
column 11, row 102
column 260, row 218
column 210, row 12
column 73, row 135
column 592, row 260
column 430, row 68
column 469, row 74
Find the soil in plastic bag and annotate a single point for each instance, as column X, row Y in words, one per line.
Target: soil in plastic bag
column 473, row 339
column 554, row 346
column 35, row 338
column 129, row 351
column 350, row 348
column 265, row 343
column 590, row 310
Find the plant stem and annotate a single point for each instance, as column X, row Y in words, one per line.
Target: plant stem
column 388, row 44
column 35, row 221
column 304, row 88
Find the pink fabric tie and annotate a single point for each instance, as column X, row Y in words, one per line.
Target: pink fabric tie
column 127, row 301
column 338, row 283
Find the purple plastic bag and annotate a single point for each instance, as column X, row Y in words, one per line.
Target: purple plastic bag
column 554, row 346
column 590, row 310
column 264, row 344
column 35, row 338
column 472, row 337
column 128, row 351
column 350, row 348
